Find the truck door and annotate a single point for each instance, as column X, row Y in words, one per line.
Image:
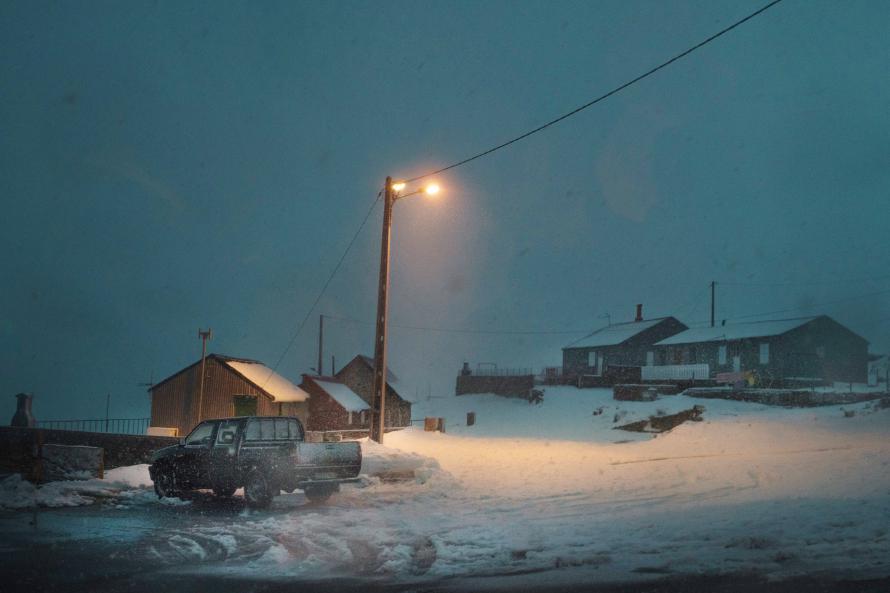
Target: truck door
column 223, row 455
column 193, row 463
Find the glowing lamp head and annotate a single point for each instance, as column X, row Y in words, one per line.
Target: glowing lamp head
column 432, row 189
column 398, row 185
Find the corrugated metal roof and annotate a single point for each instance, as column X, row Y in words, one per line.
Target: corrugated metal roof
column 268, row 380
column 343, row 395
column 615, row 334
column 735, row 331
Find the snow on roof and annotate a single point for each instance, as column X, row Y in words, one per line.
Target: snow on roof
column 614, row 334
column 343, row 395
column 735, row 331
column 271, row 382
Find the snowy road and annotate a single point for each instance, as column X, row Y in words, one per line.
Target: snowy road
column 766, row 493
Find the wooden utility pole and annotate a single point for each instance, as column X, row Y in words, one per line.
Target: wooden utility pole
column 320, row 345
column 378, row 412
column 713, row 291
column 204, row 335
column 107, row 407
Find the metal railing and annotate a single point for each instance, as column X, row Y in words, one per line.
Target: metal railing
column 496, row 372
column 107, row 425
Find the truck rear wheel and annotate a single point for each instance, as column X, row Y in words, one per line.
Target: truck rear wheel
column 257, row 491
column 320, row 493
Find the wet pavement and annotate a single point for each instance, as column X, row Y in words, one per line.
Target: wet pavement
column 107, row 548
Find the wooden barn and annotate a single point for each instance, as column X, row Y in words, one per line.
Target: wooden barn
column 809, row 348
column 232, row 387
column 334, row 406
column 620, row 345
column 358, row 374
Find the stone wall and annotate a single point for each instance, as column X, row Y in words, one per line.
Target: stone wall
column 509, row 386
column 19, row 447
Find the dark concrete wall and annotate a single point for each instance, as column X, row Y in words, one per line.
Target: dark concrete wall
column 19, row 446
column 513, row 386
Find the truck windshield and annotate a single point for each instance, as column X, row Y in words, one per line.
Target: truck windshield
column 201, row 435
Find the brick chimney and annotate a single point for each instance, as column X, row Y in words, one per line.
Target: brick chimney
column 639, row 313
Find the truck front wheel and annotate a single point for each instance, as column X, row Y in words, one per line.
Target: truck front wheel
column 165, row 483
column 257, row 491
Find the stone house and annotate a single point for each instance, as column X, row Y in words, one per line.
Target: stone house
column 358, row 375
column 334, row 406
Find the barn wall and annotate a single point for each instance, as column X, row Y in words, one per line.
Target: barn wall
column 174, row 403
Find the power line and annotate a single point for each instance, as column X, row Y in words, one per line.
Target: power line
column 325, row 287
column 465, row 330
column 504, row 145
column 810, row 283
column 844, row 300
column 602, row 97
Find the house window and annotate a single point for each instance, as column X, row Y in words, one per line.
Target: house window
column 764, row 353
column 820, row 351
column 650, row 358
column 349, row 418
column 591, row 359
column 721, row 354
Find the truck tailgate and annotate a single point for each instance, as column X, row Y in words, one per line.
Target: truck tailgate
column 328, row 461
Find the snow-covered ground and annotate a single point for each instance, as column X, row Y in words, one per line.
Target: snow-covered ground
column 553, row 493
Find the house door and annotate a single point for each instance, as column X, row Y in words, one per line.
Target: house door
column 245, row 405
column 736, row 363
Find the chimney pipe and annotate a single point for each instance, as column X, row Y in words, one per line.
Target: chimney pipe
column 639, row 313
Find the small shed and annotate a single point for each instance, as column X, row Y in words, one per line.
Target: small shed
column 232, row 387
column 334, row 406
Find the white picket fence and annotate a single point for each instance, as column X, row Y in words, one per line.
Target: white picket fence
column 676, row 372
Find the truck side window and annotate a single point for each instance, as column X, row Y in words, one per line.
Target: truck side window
column 227, row 432
column 252, row 432
column 267, row 429
column 281, row 432
column 295, row 432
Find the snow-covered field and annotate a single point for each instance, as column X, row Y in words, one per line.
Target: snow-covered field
column 553, row 493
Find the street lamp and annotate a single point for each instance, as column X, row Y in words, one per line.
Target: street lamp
column 391, row 193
